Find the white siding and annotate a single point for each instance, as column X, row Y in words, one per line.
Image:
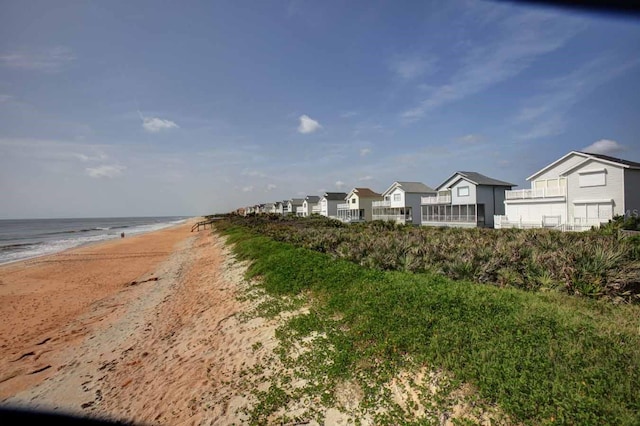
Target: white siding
column 561, row 167
column 397, row 197
column 533, row 212
column 354, row 205
column 613, row 190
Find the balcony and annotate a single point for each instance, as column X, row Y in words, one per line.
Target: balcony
column 316, row 210
column 527, row 194
column 383, row 203
column 344, row 206
column 436, row 199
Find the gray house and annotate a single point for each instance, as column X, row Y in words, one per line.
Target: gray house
column 308, row 204
column 466, row 199
column 401, row 202
column 328, row 204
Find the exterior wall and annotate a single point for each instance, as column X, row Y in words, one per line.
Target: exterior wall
column 561, row 167
column 613, row 188
column 632, row 192
column 392, row 194
column 324, row 207
column 413, row 201
column 470, row 199
column 532, row 211
column 332, row 207
column 493, row 199
column 353, row 205
column 367, row 205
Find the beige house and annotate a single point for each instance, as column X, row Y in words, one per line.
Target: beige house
column 358, row 206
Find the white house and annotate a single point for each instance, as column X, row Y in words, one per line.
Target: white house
column 308, row 204
column 328, row 204
column 269, row 208
column 576, row 192
column 358, row 206
column 466, row 199
column 293, row 204
column 401, row 202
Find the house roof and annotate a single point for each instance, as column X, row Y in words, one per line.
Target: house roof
column 335, row 195
column 365, row 193
column 312, row 198
column 296, row 201
column 631, row 164
column 410, row 187
column 477, row 179
column 587, row 155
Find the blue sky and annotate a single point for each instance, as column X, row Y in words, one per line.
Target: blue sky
column 184, row 108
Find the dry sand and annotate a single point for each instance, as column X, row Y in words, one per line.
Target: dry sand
column 140, row 329
column 150, row 329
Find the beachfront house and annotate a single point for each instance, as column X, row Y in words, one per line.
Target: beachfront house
column 293, row 205
column 358, row 205
column 466, row 199
column 269, row 208
column 575, row 192
column 401, row 202
column 308, row 204
column 328, row 204
column 281, row 207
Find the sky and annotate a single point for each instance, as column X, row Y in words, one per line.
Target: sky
column 152, row 108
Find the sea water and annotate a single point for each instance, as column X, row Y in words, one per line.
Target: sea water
column 26, row 238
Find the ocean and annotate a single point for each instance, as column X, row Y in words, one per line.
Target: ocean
column 27, row 238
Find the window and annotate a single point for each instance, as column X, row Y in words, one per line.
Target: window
column 353, row 201
column 592, row 178
column 463, row 191
column 397, row 197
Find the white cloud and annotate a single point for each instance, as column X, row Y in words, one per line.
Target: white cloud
column 603, row 146
column 247, row 188
column 365, row 151
column 340, row 184
column 470, row 138
column 365, row 178
column 519, row 40
column 108, row 171
column 545, row 114
column 155, row 125
column 410, row 68
column 83, row 157
column 308, row 125
column 271, row 186
column 47, row 60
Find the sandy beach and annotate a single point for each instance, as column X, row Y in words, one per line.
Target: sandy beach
column 139, row 329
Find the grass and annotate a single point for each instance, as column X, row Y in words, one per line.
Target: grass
column 544, row 358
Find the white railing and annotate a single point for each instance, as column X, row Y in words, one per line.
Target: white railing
column 523, row 194
column 383, row 203
column 300, row 210
column 440, row 199
column 344, row 206
column 316, row 209
column 393, row 218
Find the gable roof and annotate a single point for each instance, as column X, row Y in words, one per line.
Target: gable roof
column 365, row 193
column 312, row 198
column 630, row 164
column 588, row 156
column 410, row 187
column 335, row 195
column 295, row 201
column 477, row 179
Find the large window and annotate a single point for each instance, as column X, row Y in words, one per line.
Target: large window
column 397, row 197
column 463, row 191
column 592, row 178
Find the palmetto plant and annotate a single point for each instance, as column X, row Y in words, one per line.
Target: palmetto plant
column 592, row 264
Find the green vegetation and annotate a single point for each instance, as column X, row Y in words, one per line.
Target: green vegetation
column 543, row 357
column 593, row 264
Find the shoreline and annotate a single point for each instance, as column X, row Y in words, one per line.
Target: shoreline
column 92, row 243
column 42, row 297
